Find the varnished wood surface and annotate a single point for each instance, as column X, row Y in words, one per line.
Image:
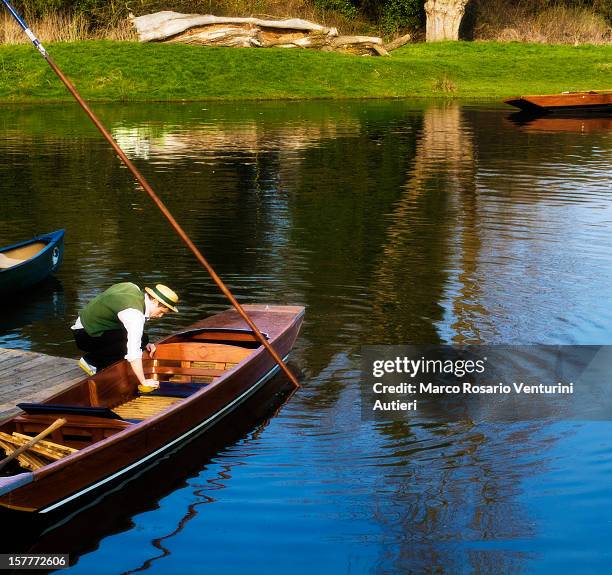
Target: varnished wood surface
column 566, row 100
column 108, row 450
column 32, row 377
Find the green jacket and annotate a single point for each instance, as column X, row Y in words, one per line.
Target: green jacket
column 100, row 314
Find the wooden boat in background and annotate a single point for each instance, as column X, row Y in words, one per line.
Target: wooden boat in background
column 591, row 101
column 111, row 429
column 27, row 263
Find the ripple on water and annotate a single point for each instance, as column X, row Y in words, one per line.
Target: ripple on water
column 393, row 222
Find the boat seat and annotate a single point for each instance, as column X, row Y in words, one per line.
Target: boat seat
column 180, row 370
column 193, row 362
column 180, row 390
column 202, row 352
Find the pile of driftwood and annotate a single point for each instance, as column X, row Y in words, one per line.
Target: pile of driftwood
column 252, row 32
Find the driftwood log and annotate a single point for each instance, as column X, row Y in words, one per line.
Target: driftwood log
column 210, row 30
column 398, row 42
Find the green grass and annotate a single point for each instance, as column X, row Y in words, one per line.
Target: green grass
column 124, row 71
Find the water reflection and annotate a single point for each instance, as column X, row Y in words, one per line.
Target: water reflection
column 575, row 124
column 393, row 222
column 218, row 142
column 425, row 228
column 431, row 520
column 31, row 312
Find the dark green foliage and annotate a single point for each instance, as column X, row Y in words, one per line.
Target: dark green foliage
column 36, row 8
column 394, row 15
column 345, row 7
column 401, row 14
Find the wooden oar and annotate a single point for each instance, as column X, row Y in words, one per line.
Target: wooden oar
column 147, row 188
column 55, row 425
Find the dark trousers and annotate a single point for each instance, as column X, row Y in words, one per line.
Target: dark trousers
column 102, row 350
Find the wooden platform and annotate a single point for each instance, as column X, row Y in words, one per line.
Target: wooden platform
column 32, row 377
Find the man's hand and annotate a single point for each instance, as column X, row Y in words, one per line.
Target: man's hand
column 150, row 347
column 138, row 371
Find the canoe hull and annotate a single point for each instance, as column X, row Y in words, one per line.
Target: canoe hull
column 35, row 269
column 63, row 483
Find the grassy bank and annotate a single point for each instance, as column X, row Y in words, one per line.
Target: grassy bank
column 105, row 70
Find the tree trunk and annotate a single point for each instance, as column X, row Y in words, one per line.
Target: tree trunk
column 443, row 19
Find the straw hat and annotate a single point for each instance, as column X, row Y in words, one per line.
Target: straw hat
column 164, row 295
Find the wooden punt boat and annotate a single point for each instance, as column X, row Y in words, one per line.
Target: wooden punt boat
column 592, row 101
column 111, row 430
column 27, row 263
column 115, row 511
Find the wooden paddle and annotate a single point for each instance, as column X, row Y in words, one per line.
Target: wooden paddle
column 149, row 190
column 55, row 425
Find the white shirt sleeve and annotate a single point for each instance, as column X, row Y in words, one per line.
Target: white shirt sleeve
column 134, row 321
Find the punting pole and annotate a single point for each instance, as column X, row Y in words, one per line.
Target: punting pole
column 147, row 188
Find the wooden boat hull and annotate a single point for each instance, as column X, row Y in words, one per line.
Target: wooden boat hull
column 597, row 102
column 63, row 482
column 95, row 517
column 30, row 262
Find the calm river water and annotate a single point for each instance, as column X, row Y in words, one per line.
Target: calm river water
column 394, row 223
